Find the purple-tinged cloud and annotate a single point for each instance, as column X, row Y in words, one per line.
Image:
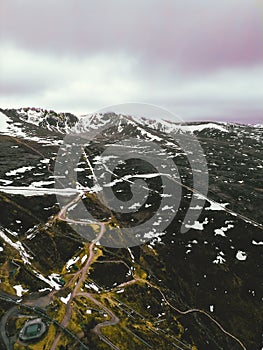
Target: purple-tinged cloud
column 201, row 58
column 187, row 35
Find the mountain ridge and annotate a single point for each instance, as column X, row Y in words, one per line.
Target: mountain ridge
column 65, row 122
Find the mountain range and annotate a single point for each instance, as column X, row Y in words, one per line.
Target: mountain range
column 195, row 283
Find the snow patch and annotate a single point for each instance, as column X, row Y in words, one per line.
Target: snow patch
column 20, row 290
column 18, row 246
column 198, row 225
column 201, row 127
column 257, row 243
column 84, row 258
column 19, row 170
column 219, row 259
column 72, row 262
column 66, row 300
column 92, row 286
column 221, row 231
column 241, row 256
column 216, row 206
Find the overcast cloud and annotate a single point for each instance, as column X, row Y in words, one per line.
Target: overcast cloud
column 201, row 59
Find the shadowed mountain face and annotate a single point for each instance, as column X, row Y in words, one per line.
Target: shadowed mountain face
column 194, row 288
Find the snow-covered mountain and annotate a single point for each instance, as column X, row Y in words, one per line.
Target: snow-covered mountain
column 36, row 122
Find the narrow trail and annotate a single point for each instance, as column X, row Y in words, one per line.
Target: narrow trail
column 189, row 311
column 204, row 313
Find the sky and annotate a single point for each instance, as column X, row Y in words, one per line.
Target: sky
column 200, row 59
